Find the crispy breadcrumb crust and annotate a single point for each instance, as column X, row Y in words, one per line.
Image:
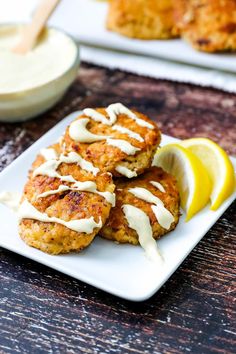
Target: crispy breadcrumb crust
column 107, row 157
column 116, row 227
column 55, row 238
column 208, row 25
column 144, row 19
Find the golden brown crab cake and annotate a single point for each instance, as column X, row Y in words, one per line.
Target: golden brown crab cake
column 155, row 181
column 209, row 25
column 144, row 19
column 127, row 144
column 76, row 212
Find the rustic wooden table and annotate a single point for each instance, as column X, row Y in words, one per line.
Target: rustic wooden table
column 43, row 311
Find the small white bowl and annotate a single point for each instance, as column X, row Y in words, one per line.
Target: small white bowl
column 25, row 104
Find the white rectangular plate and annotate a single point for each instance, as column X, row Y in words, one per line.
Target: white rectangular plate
column 89, row 28
column 122, row 270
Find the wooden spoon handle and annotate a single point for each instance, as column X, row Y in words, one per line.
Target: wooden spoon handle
column 32, row 31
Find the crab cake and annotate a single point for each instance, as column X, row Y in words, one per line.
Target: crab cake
column 153, row 195
column 114, row 139
column 209, row 25
column 65, row 202
column 144, row 19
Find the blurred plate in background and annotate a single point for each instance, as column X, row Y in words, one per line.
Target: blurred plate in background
column 85, row 20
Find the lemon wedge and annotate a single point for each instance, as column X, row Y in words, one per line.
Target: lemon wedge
column 192, row 178
column 218, row 165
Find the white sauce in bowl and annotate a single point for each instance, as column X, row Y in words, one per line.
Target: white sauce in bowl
column 53, row 55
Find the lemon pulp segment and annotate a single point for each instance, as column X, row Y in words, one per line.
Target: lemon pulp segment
column 192, row 178
column 218, row 166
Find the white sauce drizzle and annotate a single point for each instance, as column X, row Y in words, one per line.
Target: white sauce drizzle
column 28, row 211
column 113, row 110
column 158, row 186
column 87, row 186
column 80, row 133
column 123, row 145
column 128, row 132
column 145, row 195
column 98, row 117
column 139, row 221
column 60, row 140
column 63, row 147
column 73, row 157
column 60, row 189
column 49, row 154
column 48, row 168
column 118, row 108
column 10, row 200
column 126, row 171
column 164, row 217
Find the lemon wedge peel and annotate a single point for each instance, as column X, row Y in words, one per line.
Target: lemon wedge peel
column 192, row 178
column 218, row 166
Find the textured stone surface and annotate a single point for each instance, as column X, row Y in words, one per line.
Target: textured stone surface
column 43, row 311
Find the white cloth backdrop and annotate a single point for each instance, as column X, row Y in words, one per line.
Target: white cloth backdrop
column 66, row 17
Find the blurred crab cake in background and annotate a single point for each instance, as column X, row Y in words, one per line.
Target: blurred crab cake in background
column 114, row 139
column 65, row 203
column 147, row 207
column 209, row 25
column 144, row 19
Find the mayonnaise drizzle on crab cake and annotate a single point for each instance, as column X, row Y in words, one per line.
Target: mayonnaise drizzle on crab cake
column 65, row 203
column 147, row 207
column 114, row 139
